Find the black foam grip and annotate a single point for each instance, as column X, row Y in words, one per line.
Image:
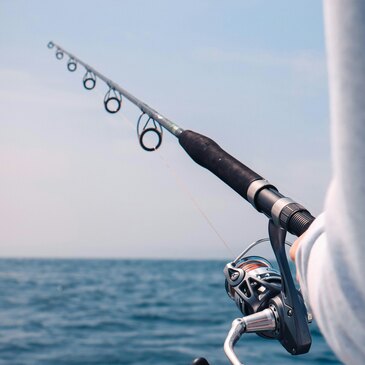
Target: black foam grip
column 208, row 154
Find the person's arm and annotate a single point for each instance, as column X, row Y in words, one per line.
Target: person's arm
column 330, row 257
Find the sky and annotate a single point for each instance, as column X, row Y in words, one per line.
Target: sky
column 74, row 181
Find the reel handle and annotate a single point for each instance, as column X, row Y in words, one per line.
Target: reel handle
column 258, row 322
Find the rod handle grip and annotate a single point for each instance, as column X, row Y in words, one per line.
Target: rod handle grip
column 207, row 153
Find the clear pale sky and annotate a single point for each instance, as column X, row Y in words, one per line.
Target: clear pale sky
column 74, row 181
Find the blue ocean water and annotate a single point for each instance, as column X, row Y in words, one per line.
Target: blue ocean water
column 74, row 312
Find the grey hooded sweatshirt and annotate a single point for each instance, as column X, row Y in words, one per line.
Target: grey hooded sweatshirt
column 331, row 259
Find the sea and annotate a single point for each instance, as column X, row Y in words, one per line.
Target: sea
column 109, row 312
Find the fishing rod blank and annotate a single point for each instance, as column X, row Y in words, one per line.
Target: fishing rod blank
column 166, row 123
column 262, row 195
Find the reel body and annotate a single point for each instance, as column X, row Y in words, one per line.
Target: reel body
column 257, row 287
column 251, row 283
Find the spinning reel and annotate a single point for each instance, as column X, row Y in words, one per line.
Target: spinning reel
column 272, row 306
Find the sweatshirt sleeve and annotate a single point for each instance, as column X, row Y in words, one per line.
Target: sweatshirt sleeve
column 331, row 259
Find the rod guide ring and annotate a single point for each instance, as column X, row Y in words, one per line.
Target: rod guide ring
column 59, row 54
column 89, row 80
column 150, row 130
column 141, row 132
column 89, row 83
column 71, row 65
column 110, row 100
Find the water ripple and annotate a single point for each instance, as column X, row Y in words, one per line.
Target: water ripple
column 77, row 312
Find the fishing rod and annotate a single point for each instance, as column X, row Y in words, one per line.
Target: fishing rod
column 272, row 306
column 263, row 196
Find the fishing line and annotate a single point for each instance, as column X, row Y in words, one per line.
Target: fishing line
column 183, row 187
column 186, row 190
